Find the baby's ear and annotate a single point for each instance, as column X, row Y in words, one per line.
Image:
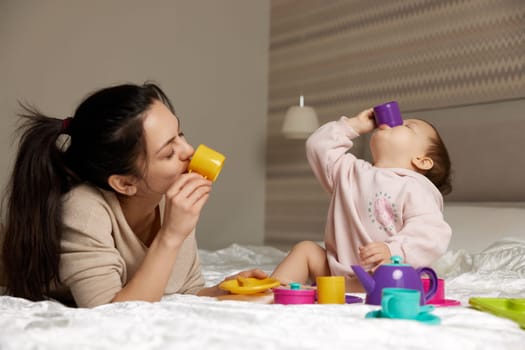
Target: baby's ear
column 422, row 163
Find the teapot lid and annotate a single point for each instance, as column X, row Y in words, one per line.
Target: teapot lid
column 396, row 261
column 295, row 286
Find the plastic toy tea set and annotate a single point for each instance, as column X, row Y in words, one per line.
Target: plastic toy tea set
column 402, row 291
column 398, row 288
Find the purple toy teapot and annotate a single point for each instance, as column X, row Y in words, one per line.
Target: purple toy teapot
column 395, row 275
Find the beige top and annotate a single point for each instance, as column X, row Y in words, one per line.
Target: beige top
column 100, row 252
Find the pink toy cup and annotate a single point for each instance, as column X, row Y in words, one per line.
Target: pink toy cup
column 439, row 298
column 287, row 296
column 440, row 292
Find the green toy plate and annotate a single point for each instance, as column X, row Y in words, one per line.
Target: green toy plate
column 513, row 309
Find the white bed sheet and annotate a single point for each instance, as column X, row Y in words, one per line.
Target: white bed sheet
column 189, row 322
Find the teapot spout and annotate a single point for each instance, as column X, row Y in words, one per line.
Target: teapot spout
column 366, row 280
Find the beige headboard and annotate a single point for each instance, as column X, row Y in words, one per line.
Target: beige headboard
column 486, row 143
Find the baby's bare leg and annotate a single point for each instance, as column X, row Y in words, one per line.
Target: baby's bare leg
column 306, row 260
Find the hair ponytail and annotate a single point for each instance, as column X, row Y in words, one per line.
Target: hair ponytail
column 34, row 208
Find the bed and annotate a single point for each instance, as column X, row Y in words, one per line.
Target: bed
column 496, row 269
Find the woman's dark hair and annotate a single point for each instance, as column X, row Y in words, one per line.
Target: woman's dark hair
column 105, row 138
column 440, row 173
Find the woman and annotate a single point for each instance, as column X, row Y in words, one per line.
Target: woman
column 108, row 215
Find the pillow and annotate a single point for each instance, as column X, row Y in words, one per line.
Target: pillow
column 476, row 225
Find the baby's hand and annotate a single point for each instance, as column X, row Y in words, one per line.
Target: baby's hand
column 375, row 253
column 363, row 122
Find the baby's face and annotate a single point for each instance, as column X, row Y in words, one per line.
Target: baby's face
column 395, row 147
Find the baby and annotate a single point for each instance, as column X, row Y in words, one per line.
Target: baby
column 391, row 207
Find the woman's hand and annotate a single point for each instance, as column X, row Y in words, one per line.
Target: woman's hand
column 256, row 273
column 184, row 202
column 216, row 291
column 363, row 122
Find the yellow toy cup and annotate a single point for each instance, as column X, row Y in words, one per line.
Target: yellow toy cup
column 330, row 290
column 207, row 162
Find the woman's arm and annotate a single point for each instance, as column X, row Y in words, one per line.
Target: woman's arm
column 150, row 280
column 184, row 202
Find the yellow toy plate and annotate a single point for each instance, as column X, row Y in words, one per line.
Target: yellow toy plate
column 249, row 285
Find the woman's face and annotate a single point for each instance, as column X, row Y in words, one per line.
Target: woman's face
column 167, row 151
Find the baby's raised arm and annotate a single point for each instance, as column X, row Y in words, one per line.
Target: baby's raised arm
column 327, row 146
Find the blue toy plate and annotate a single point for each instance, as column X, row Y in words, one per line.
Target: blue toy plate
column 423, row 317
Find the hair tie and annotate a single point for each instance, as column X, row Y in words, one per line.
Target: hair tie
column 65, row 124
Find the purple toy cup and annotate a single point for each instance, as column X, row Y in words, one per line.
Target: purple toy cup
column 389, row 114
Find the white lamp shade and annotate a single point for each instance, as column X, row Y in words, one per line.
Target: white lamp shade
column 299, row 122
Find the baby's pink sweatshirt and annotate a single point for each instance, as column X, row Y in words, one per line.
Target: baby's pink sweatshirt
column 399, row 207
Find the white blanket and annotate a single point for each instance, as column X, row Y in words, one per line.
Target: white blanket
column 190, row 322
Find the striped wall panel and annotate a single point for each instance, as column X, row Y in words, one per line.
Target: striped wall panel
column 348, row 55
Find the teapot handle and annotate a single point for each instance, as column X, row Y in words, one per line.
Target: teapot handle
column 433, row 282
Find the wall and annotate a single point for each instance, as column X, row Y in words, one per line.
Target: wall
column 209, row 56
